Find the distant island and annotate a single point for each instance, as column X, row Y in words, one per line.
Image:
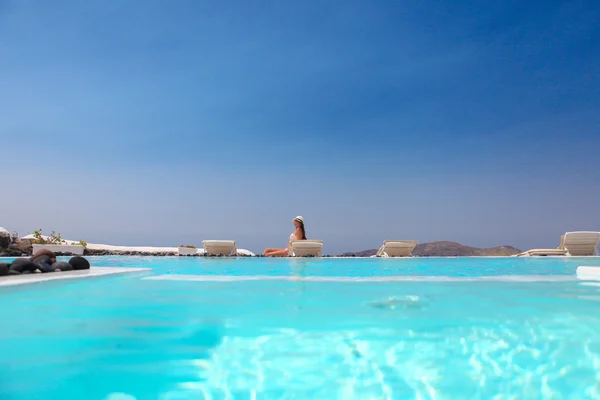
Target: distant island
column 447, row 249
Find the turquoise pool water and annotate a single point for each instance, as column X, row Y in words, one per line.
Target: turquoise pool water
column 194, row 328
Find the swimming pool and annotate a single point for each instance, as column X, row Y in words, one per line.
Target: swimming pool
column 253, row 328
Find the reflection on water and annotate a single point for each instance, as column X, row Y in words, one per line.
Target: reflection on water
column 393, row 302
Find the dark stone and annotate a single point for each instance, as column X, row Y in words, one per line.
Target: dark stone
column 79, row 263
column 4, row 269
column 89, row 252
column 10, row 253
column 44, row 263
column 23, row 264
column 4, row 239
column 43, row 259
column 45, row 267
column 24, row 246
column 51, row 257
column 63, row 266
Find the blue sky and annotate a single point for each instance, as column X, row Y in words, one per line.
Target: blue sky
column 161, row 123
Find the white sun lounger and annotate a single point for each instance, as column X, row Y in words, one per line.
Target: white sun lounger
column 544, row 253
column 219, row 247
column 306, row 248
column 571, row 244
column 397, row 248
column 580, row 243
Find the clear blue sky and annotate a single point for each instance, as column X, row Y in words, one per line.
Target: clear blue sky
column 169, row 122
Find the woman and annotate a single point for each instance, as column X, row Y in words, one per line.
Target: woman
column 299, row 234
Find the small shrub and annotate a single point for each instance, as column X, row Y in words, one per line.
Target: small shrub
column 54, row 238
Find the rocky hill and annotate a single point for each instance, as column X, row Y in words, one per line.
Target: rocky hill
column 447, row 249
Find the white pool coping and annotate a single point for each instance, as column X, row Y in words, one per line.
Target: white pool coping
column 52, row 276
column 588, row 273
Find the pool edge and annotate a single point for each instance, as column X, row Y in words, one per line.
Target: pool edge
column 93, row 272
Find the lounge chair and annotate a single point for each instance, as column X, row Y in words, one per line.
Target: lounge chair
column 219, row 247
column 397, row 248
column 544, row 253
column 571, row 244
column 306, row 248
column 580, row 243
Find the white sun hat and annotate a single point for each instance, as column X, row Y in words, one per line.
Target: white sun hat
column 299, row 219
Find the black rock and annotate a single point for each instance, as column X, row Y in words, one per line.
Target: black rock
column 24, row 246
column 23, row 264
column 10, row 253
column 4, row 269
column 43, row 263
column 79, row 263
column 4, row 239
column 63, row 266
column 43, row 252
column 44, row 267
column 43, row 259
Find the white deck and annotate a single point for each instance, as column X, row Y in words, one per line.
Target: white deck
column 52, row 276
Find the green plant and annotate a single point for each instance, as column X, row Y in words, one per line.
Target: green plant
column 188, row 246
column 54, row 238
column 38, row 238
